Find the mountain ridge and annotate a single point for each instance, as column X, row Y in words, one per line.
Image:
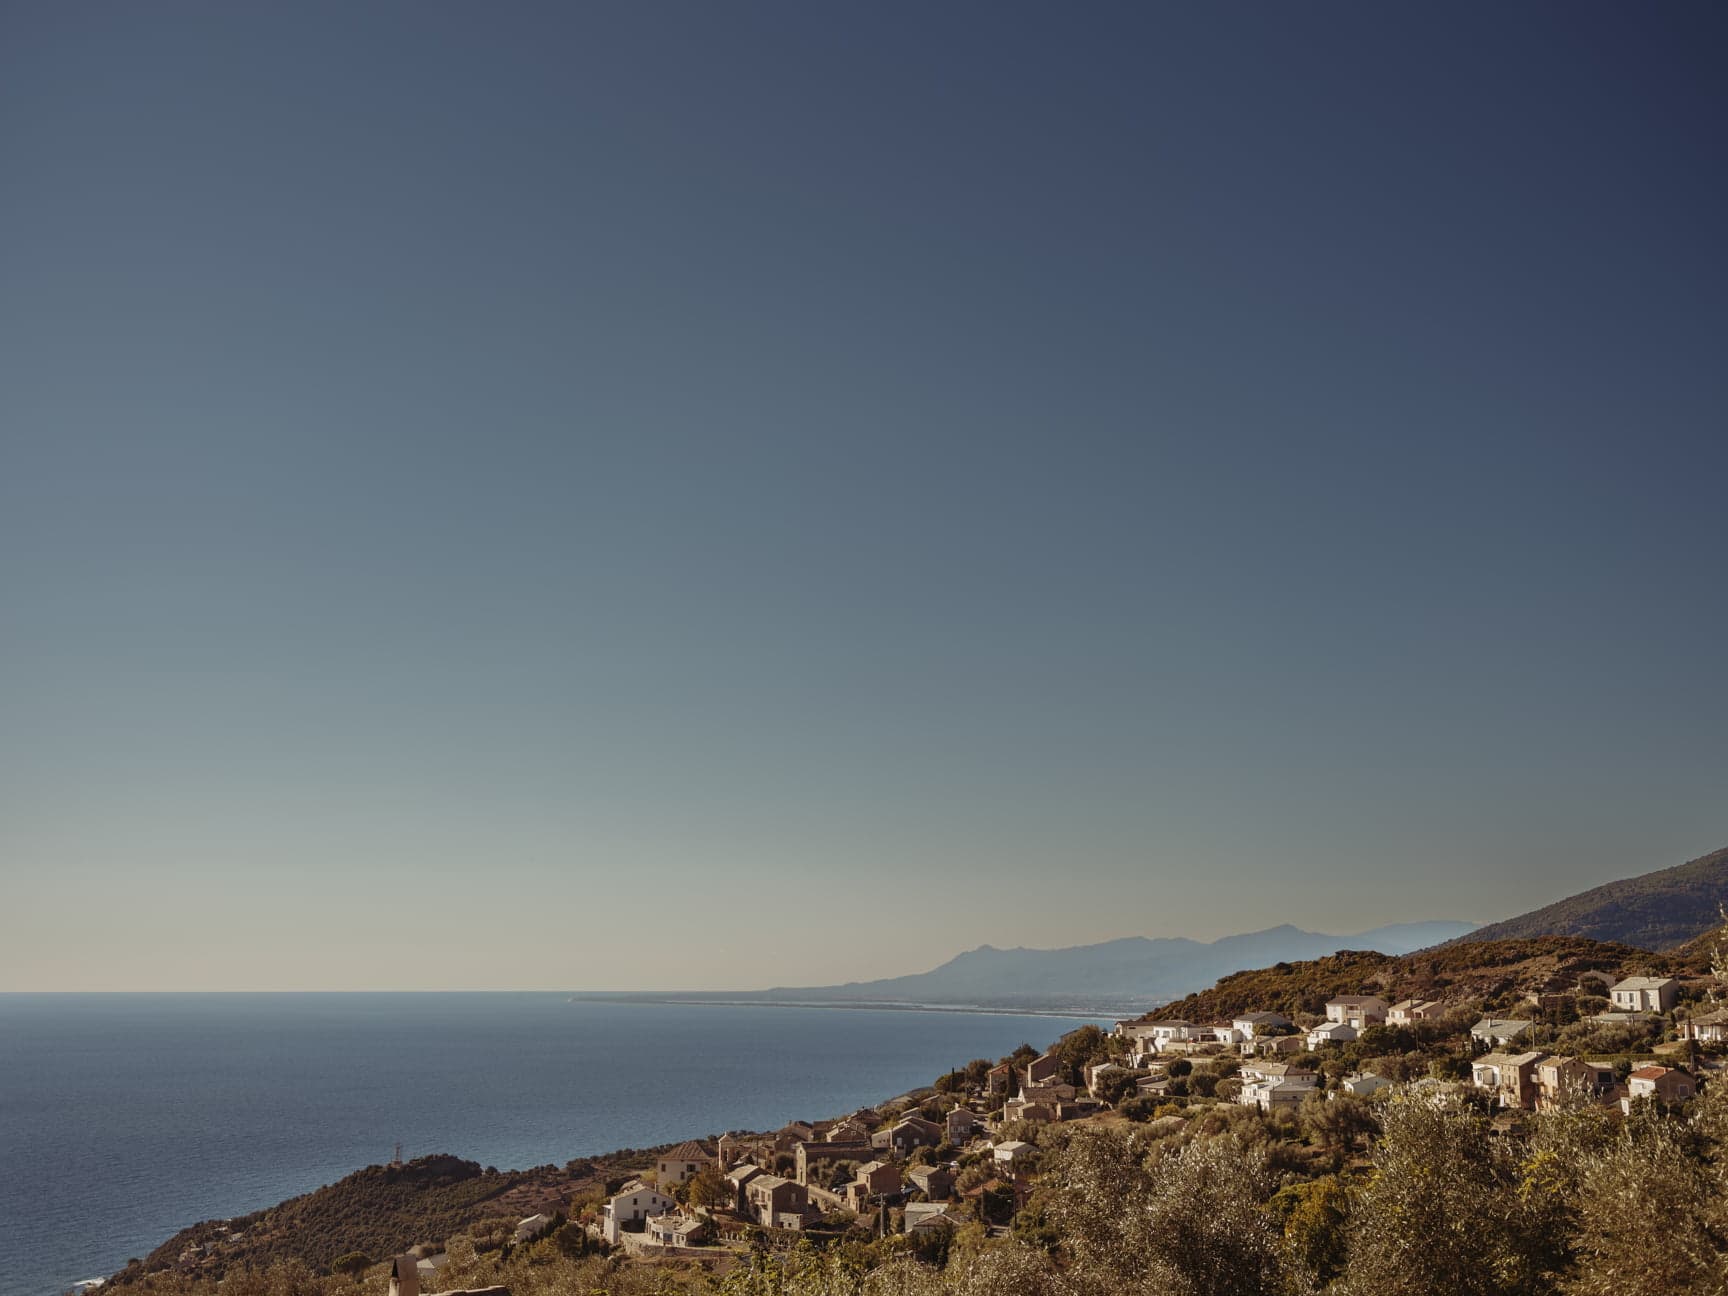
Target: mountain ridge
column 1127, row 973
column 1660, row 910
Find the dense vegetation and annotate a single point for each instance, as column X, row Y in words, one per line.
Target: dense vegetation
column 1656, row 911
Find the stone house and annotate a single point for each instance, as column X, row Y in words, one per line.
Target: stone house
column 874, row 1180
column 935, row 1182
column 774, row 1202
column 962, row 1123
column 1509, row 1077
column 1560, row 1077
column 809, row 1157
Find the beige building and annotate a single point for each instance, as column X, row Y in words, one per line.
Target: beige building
column 682, row 1164
column 1360, row 1011
column 1509, row 1077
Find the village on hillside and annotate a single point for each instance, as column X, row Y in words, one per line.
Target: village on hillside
column 965, row 1154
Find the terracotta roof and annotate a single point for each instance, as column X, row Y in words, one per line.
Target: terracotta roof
column 688, row 1150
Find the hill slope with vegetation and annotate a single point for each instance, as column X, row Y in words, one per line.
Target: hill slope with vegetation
column 1476, row 970
column 379, row 1211
column 1657, row 911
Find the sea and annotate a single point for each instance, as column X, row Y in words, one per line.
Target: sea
column 126, row 1117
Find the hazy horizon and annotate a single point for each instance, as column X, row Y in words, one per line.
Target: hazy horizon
column 645, row 497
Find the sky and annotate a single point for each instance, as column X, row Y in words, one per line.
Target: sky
column 684, row 495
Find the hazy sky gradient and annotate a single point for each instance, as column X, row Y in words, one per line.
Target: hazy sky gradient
column 654, row 495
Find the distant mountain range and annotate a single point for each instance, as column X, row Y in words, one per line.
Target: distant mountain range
column 1654, row 911
column 1127, row 975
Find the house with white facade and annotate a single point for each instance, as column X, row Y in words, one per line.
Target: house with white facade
column 1013, row 1153
column 1707, row 1028
column 1364, row 1084
column 1332, row 1032
column 1255, row 1025
column 678, row 1230
column 532, row 1227
column 1658, row 1084
column 1644, row 994
column 1273, row 1085
column 628, row 1211
column 1164, row 1034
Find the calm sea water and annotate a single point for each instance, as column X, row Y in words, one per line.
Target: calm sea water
column 124, row 1118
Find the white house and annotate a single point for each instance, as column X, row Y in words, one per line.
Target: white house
column 1166, row 1033
column 1360, row 1011
column 1013, row 1153
column 1332, row 1032
column 1707, row 1028
column 1254, row 1025
column 1270, row 1085
column 628, row 1211
column 1644, row 994
column 1364, row 1084
column 1099, row 1071
column 532, row 1227
column 677, row 1230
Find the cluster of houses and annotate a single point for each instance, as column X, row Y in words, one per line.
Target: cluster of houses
column 881, row 1173
column 804, row 1173
column 1526, row 1080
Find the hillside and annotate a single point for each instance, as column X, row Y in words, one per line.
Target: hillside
column 1656, row 911
column 381, row 1210
column 1475, row 970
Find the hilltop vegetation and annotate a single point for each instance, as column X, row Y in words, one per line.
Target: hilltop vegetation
column 1656, row 911
column 378, row 1211
column 1478, row 970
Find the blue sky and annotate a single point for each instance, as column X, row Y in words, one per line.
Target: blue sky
column 559, row 495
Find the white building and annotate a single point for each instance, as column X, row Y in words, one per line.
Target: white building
column 632, row 1207
column 1013, row 1152
column 1332, row 1032
column 1364, row 1084
column 1644, row 994
column 1256, row 1025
